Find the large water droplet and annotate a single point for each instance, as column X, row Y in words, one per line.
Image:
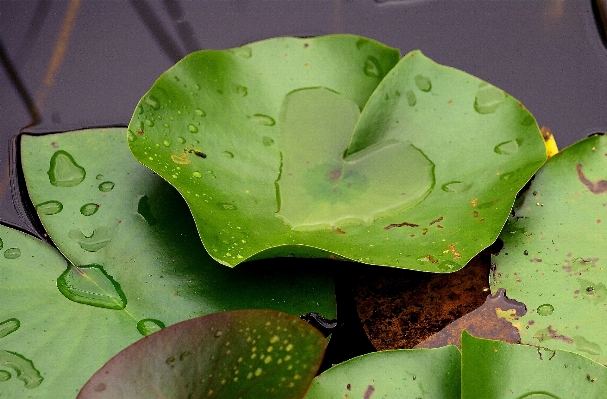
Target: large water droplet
column 166, row 143
column 23, row 368
column 152, row 102
column 267, row 141
column 456, row 187
column 89, row 209
column 100, row 238
column 226, row 206
column 145, row 210
column 200, row 112
column 423, row 83
column 91, row 285
column 263, row 120
column 244, row 52
column 64, row 171
column 507, row 147
column 49, row 207
column 106, row 186
column 372, row 67
column 197, row 174
column 488, row 98
column 149, row 326
column 411, row 99
column 12, row 253
column 545, row 309
column 192, row 128
column 9, row 326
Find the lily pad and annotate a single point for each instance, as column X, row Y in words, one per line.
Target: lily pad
column 136, row 263
column 237, row 354
column 432, row 373
column 334, row 149
column 553, row 258
column 498, row 370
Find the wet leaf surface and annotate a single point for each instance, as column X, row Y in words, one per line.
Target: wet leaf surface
column 138, row 266
column 553, row 255
column 237, row 354
column 292, row 154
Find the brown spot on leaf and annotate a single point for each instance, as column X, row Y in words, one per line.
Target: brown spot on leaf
column 393, row 225
column 140, row 132
column 436, row 220
column 338, row 230
column 535, row 260
column 456, row 255
column 100, row 387
column 598, row 187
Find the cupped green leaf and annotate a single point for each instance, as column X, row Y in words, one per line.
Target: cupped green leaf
column 405, row 373
column 498, row 370
column 236, row 354
column 301, row 144
column 553, row 258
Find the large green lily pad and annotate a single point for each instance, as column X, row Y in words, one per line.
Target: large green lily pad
column 553, row 258
column 328, row 147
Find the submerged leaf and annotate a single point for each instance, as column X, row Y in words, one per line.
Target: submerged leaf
column 553, row 258
column 422, row 178
column 237, row 354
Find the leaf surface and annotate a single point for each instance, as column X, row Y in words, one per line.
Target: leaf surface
column 553, row 258
column 236, row 354
column 336, row 149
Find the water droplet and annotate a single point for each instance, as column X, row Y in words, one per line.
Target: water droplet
column 64, row 171
column 226, row 206
column 423, row 83
column 263, row 120
column 106, row 186
column 149, row 123
column 258, row 372
column 100, row 238
column 91, row 285
column 12, row 253
column 131, row 136
column 23, row 368
column 89, row 209
column 372, row 67
column 192, row 128
column 488, row 98
column 8, row 326
column 145, row 210
column 166, row 125
column 49, row 207
column 149, row 326
column 411, row 99
column 508, row 147
column 244, row 52
column 181, row 140
column 289, row 348
column 166, row 143
column 1, row 243
column 99, row 177
column 152, row 102
column 197, row 174
column 228, row 154
column 267, row 359
column 4, row 376
column 218, row 333
column 274, row 339
column 545, row 309
column 200, row 112
column 456, row 187
column 267, row 141
column 241, row 90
